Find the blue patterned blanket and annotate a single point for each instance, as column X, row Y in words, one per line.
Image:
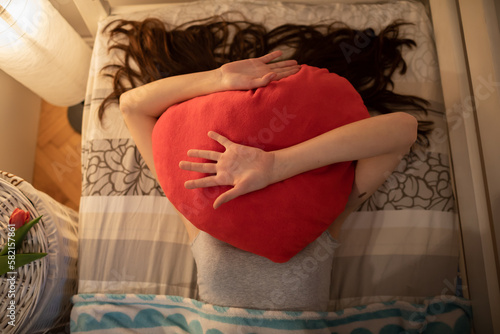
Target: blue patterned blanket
column 114, row 313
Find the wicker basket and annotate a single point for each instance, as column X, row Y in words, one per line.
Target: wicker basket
column 44, row 287
column 30, row 278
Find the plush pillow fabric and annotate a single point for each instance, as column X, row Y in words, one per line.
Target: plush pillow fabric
column 280, row 220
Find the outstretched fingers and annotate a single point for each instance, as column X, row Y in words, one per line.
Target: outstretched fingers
column 208, row 168
column 209, row 155
column 270, row 56
column 283, row 64
column 284, row 68
column 227, row 196
column 221, row 177
column 220, row 139
column 209, row 181
column 286, row 72
column 266, row 79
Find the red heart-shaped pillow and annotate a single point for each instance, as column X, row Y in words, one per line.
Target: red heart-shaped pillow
column 280, row 220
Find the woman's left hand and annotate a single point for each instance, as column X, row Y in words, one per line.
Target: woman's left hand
column 245, row 168
column 256, row 72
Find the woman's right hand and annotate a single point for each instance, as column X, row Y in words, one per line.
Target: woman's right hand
column 256, row 72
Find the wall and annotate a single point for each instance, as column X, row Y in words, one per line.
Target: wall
column 19, row 115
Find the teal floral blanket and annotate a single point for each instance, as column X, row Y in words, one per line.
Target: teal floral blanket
column 133, row 313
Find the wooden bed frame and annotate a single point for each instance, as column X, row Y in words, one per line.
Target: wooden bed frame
column 468, row 42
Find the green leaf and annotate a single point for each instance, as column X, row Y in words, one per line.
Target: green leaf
column 20, row 234
column 21, row 260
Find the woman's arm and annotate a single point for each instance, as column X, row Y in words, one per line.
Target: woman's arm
column 142, row 106
column 377, row 144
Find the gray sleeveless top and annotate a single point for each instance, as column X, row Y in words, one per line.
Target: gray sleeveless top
column 228, row 276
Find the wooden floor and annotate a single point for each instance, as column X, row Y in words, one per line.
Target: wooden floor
column 57, row 161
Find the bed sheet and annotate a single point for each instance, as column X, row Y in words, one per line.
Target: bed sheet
column 98, row 313
column 401, row 244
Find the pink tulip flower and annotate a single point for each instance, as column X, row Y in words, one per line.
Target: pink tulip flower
column 19, row 217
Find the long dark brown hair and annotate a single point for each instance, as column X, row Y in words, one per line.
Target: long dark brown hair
column 152, row 51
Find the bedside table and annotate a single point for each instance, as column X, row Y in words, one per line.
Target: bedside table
column 42, row 289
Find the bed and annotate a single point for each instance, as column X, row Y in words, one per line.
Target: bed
column 399, row 251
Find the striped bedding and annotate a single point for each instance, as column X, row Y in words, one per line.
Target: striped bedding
column 402, row 244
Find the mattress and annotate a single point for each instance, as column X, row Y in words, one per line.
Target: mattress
column 402, row 244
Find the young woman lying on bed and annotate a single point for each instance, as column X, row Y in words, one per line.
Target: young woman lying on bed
column 198, row 60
